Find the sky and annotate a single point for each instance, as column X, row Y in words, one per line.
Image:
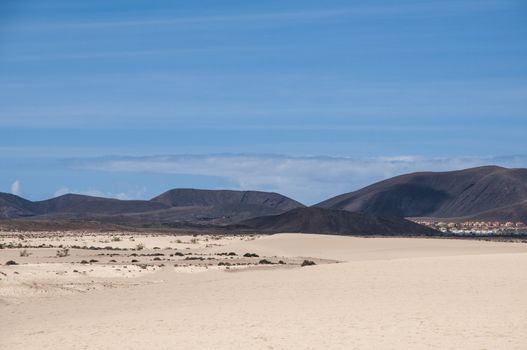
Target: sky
column 308, row 98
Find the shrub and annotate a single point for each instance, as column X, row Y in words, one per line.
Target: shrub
column 93, row 261
column 281, row 262
column 194, row 258
column 265, row 262
column 24, row 253
column 134, row 260
column 113, row 261
column 84, row 262
column 157, row 259
column 11, row 262
column 307, row 263
column 63, row 252
column 251, row 255
column 140, row 246
column 116, row 239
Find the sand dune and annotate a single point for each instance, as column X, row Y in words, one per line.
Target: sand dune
column 384, row 293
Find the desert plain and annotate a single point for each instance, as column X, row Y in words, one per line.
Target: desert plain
column 83, row 290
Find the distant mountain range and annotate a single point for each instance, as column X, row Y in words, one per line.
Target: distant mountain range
column 211, row 206
column 485, row 193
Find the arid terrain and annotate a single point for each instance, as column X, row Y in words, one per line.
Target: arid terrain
column 81, row 290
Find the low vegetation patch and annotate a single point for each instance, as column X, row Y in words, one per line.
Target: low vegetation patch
column 227, row 254
column 63, row 252
column 194, row 258
column 308, row 263
column 265, row 262
column 24, row 253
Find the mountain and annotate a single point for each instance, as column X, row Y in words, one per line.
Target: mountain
column 207, row 198
column 83, row 205
column 331, row 221
column 489, row 192
column 515, row 212
column 222, row 205
column 203, row 206
column 14, row 206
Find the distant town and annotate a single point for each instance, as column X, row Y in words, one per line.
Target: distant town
column 477, row 227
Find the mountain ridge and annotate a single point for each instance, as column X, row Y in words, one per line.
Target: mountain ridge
column 453, row 194
column 332, row 221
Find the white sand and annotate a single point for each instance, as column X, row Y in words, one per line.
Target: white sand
column 384, row 294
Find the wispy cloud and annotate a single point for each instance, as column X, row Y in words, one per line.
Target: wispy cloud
column 410, row 7
column 16, row 187
column 309, row 179
column 134, row 53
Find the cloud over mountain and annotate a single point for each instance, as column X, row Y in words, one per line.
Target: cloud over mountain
column 307, row 178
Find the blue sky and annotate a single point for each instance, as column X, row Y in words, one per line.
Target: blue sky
column 308, row 98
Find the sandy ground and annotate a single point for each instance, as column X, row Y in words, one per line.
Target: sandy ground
column 363, row 293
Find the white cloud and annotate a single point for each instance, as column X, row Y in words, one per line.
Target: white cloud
column 16, row 187
column 308, row 179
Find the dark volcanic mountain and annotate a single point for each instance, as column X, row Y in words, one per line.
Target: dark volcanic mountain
column 83, row 205
column 485, row 193
column 177, row 205
column 319, row 220
column 12, row 206
column 217, row 206
column 210, row 198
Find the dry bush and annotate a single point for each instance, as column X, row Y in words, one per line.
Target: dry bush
column 24, row 253
column 63, row 252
